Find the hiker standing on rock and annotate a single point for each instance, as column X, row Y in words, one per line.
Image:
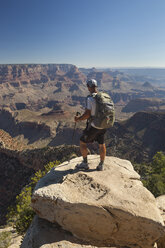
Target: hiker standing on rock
column 95, row 130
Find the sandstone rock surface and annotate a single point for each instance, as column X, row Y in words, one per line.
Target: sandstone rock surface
column 47, row 235
column 107, row 208
column 161, row 205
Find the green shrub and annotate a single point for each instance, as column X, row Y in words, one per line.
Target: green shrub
column 21, row 215
column 5, row 239
column 153, row 174
column 144, row 170
column 156, row 180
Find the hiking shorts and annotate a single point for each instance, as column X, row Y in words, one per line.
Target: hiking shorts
column 93, row 134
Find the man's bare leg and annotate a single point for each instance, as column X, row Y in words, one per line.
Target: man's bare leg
column 83, row 149
column 84, row 153
column 102, row 149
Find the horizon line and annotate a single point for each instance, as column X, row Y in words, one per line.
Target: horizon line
column 90, row 67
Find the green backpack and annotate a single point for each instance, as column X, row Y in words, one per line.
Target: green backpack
column 105, row 112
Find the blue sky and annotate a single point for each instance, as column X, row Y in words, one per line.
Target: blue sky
column 99, row 33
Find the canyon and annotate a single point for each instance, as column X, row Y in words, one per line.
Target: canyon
column 37, row 108
column 38, row 101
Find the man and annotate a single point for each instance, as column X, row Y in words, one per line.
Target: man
column 91, row 132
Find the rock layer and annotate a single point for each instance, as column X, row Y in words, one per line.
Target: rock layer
column 47, row 235
column 104, row 208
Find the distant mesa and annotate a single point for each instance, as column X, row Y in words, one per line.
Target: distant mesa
column 38, row 84
column 147, row 85
column 145, row 104
column 101, row 77
column 37, row 73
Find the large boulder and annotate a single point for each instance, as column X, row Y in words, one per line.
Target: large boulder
column 161, row 205
column 105, row 208
column 48, row 235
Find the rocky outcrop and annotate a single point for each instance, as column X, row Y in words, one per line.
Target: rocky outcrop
column 47, row 235
column 108, row 208
column 161, row 205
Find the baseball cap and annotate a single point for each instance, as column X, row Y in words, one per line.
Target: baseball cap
column 92, row 83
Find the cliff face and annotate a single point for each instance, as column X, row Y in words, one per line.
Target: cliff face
column 35, row 74
column 138, row 138
column 27, row 132
column 32, row 86
column 33, row 129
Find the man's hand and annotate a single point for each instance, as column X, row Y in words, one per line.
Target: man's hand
column 76, row 118
column 85, row 116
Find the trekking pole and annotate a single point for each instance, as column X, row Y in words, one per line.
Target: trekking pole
column 77, row 114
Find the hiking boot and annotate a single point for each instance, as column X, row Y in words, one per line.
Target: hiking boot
column 100, row 166
column 83, row 166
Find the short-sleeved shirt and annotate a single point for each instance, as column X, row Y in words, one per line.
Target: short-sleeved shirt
column 91, row 105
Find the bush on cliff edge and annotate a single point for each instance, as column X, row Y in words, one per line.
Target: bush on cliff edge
column 153, row 174
column 21, row 214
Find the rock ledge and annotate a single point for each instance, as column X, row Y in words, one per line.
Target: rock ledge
column 107, row 208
